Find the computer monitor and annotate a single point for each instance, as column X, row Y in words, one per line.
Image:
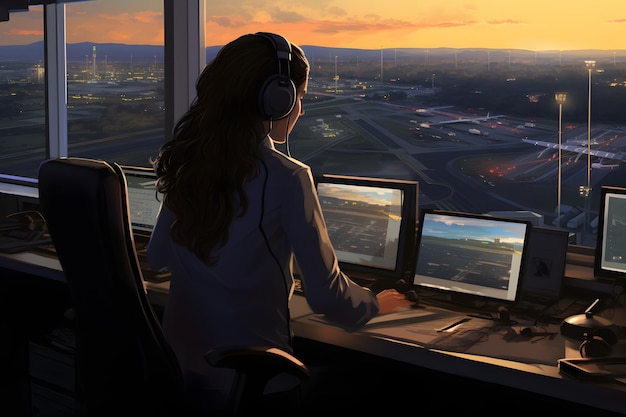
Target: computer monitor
column 471, row 255
column 610, row 256
column 371, row 223
column 143, row 201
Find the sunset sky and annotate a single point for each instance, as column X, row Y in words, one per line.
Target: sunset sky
column 366, row 24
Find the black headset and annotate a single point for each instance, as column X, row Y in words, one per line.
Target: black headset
column 277, row 96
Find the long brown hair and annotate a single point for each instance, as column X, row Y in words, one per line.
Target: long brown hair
column 203, row 169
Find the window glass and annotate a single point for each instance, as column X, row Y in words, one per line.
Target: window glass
column 465, row 103
column 22, row 93
column 461, row 99
column 115, row 80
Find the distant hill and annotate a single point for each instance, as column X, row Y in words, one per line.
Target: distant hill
column 77, row 51
column 123, row 52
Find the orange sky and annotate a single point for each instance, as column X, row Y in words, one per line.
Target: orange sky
column 531, row 24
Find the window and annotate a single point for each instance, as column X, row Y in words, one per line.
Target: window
column 478, row 128
column 115, row 86
column 22, row 95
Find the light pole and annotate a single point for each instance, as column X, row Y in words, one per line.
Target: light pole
column 590, row 64
column 381, row 66
column 336, row 77
column 560, row 98
column 587, row 190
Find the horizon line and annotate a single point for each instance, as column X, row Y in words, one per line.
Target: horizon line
column 355, row 48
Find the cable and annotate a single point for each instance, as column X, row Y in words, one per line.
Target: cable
column 269, row 248
column 287, row 149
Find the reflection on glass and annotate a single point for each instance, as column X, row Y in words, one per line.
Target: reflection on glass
column 482, row 138
column 22, row 97
column 115, row 90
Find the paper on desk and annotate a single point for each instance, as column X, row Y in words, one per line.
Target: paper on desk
column 505, row 342
column 405, row 315
column 480, row 337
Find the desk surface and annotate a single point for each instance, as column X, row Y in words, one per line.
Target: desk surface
column 490, row 355
column 479, row 349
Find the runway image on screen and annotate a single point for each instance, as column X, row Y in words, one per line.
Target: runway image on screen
column 471, row 254
column 363, row 222
column 144, row 203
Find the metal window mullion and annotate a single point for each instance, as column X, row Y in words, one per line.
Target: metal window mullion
column 185, row 56
column 56, row 80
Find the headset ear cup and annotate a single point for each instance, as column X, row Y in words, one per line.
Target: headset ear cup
column 277, row 97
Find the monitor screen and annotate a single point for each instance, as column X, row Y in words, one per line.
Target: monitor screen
column 371, row 223
column 610, row 256
column 142, row 198
column 471, row 254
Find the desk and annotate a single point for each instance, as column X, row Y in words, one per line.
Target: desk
column 538, row 377
column 34, row 264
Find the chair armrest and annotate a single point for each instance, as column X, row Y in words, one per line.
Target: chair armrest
column 259, row 360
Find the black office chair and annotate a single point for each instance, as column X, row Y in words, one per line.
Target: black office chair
column 122, row 360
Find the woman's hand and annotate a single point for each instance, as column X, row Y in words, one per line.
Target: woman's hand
column 390, row 299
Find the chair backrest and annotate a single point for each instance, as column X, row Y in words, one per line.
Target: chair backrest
column 122, row 359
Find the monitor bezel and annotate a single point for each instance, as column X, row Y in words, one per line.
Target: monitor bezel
column 457, row 295
column 407, row 233
column 599, row 270
column 143, row 172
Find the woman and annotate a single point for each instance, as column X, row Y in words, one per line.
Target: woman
column 236, row 211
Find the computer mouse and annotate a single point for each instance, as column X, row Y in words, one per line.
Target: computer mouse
column 527, row 331
column 411, row 295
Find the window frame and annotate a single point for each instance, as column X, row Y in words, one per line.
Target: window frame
column 184, row 22
column 185, row 58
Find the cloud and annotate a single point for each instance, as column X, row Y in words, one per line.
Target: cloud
column 276, row 16
column 504, row 22
column 227, row 22
column 367, row 26
column 25, row 32
column 147, row 17
column 280, row 16
column 337, row 11
column 450, row 24
column 133, row 27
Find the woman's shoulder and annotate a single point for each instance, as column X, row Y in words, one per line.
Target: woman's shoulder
column 277, row 160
